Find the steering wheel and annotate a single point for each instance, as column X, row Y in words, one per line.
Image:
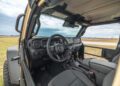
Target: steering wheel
column 58, row 52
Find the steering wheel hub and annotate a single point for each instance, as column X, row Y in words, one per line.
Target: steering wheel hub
column 59, row 48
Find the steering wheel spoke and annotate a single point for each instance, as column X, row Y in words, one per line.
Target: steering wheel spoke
column 52, row 48
column 58, row 57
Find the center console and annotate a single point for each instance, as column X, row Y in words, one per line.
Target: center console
column 100, row 67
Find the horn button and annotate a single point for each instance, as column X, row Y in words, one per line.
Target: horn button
column 59, row 48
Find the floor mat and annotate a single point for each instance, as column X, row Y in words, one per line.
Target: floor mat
column 44, row 79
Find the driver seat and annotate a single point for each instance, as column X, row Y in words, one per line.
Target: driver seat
column 77, row 78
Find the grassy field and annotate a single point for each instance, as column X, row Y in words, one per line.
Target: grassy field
column 5, row 42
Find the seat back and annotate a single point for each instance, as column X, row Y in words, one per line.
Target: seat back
column 113, row 77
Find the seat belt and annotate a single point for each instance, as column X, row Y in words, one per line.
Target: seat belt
column 92, row 76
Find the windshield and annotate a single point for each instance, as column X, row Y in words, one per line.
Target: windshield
column 51, row 25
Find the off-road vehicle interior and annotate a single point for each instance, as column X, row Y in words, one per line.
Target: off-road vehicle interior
column 55, row 57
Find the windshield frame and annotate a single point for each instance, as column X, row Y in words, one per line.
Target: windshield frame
column 84, row 27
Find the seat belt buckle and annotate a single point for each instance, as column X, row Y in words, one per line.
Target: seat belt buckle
column 92, row 76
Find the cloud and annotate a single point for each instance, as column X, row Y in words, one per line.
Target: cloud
column 12, row 8
column 109, row 31
column 51, row 22
column 102, row 31
column 56, row 26
column 7, row 25
column 9, row 10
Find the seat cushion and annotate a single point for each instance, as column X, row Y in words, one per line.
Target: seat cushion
column 71, row 78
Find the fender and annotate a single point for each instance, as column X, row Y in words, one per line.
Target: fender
column 13, row 66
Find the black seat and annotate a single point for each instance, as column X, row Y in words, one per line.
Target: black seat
column 112, row 55
column 115, row 59
column 77, row 78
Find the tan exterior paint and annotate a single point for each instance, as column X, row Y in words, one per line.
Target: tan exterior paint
column 26, row 18
column 41, row 2
column 116, row 81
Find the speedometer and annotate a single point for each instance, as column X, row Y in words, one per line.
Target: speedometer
column 36, row 44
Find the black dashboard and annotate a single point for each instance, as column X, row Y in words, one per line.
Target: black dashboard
column 40, row 43
column 37, row 48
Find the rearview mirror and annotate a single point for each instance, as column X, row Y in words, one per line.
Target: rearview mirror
column 70, row 23
column 19, row 23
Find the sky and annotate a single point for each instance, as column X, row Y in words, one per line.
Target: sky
column 51, row 26
column 101, row 31
column 10, row 9
column 104, row 31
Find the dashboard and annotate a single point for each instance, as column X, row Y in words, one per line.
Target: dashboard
column 40, row 43
column 37, row 48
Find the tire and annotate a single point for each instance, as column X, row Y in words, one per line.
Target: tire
column 6, row 77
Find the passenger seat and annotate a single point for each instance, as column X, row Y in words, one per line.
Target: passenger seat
column 115, row 59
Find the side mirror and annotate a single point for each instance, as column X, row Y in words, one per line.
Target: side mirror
column 19, row 22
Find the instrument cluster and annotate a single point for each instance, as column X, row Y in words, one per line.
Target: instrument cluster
column 42, row 42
